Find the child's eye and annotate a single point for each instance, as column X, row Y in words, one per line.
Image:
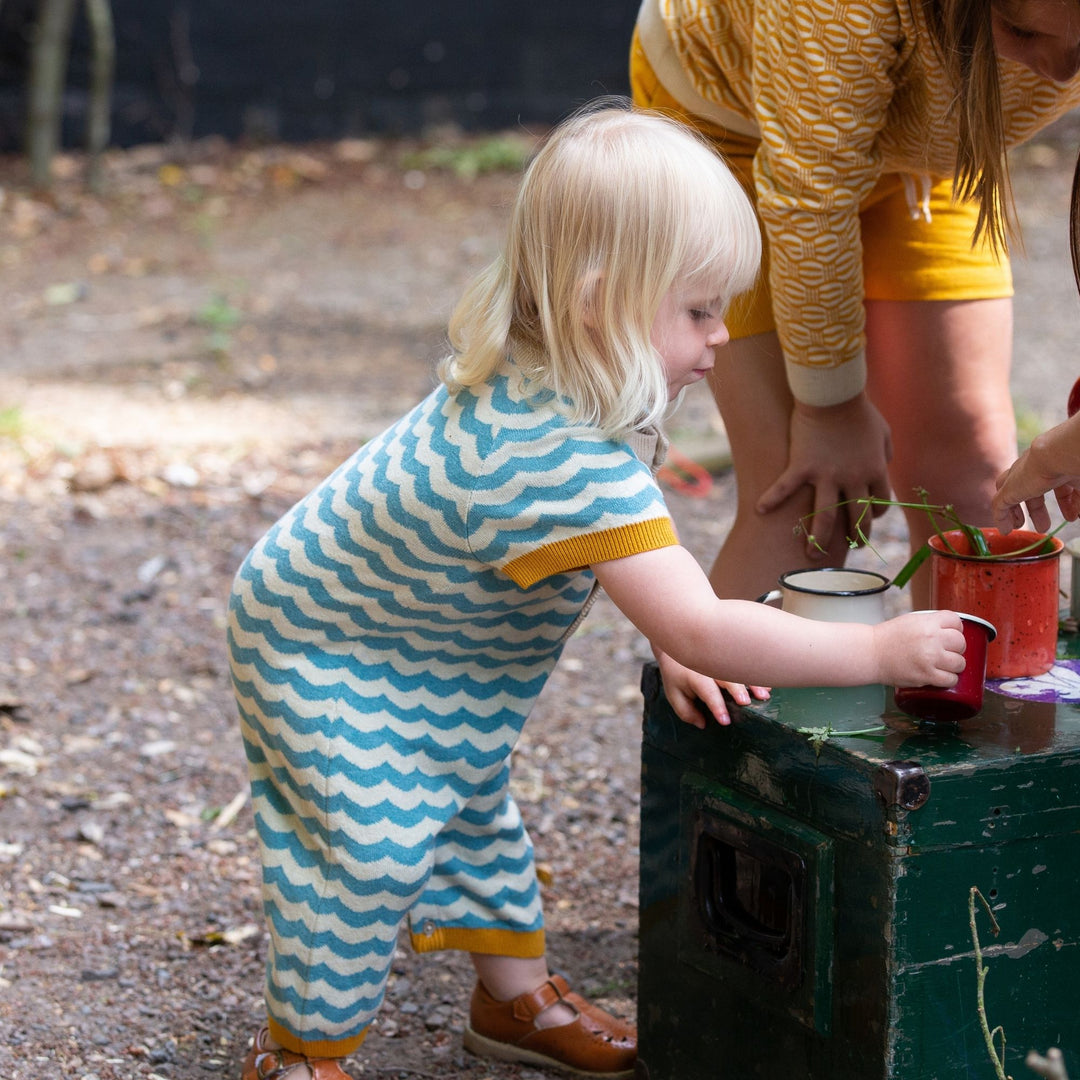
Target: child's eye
column 700, row 315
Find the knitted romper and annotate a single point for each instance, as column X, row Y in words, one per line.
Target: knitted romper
column 388, row 637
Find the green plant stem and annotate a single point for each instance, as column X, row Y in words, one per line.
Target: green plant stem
column 934, row 511
column 980, row 984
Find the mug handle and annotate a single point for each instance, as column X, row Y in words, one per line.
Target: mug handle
column 769, row 597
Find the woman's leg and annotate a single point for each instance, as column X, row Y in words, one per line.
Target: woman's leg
column 751, row 391
column 939, row 373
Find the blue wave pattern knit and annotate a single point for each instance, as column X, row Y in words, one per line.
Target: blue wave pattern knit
column 388, row 637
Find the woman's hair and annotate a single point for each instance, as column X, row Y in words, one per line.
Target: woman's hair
column 963, row 34
column 616, row 207
column 964, row 37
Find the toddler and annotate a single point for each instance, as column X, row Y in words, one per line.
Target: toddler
column 389, row 635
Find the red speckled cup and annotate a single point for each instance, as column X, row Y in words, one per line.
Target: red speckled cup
column 947, row 705
column 1017, row 594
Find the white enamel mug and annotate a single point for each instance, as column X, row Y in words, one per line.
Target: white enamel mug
column 832, row 594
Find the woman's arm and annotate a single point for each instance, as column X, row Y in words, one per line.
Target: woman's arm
column 819, row 157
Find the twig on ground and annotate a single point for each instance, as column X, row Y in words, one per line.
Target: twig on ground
column 1052, row 1066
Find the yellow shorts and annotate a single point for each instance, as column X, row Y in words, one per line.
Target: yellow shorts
column 902, row 259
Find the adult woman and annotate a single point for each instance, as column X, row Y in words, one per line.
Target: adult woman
column 878, row 347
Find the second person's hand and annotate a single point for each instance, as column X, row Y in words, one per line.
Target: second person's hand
column 841, row 451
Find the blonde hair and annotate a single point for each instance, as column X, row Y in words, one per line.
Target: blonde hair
column 617, row 206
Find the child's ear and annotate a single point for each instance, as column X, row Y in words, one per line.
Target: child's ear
column 589, row 298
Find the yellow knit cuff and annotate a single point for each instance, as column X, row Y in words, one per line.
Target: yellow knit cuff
column 577, row 552
column 321, row 1048
column 528, row 944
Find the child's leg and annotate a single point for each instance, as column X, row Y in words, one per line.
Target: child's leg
column 483, row 898
column 508, row 977
column 547, row 1024
column 336, row 888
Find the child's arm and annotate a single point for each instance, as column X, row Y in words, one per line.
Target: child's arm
column 1051, row 463
column 667, row 596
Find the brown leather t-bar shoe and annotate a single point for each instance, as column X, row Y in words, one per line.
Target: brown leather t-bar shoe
column 265, row 1064
column 593, row 1044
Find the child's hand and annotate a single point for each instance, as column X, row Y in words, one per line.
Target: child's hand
column 923, row 648
column 692, row 694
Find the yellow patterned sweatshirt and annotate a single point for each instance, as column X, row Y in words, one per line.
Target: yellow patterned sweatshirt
column 839, row 93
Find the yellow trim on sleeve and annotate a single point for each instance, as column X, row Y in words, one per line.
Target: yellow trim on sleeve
column 528, row 944
column 577, row 552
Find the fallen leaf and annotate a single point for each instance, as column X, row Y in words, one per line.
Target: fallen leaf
column 228, row 814
column 67, row 292
column 234, row 936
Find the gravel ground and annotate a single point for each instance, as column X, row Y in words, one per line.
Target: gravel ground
column 181, row 360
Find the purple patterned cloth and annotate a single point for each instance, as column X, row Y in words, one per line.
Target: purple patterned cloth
column 1060, row 684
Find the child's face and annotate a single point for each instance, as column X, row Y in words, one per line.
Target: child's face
column 685, row 331
column 1043, row 35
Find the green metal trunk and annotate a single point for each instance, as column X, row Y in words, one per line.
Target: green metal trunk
column 805, row 905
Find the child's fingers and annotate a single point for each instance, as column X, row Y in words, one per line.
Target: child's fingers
column 743, row 693
column 686, row 707
column 712, row 699
column 737, row 690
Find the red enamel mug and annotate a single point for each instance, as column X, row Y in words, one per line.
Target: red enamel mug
column 946, row 705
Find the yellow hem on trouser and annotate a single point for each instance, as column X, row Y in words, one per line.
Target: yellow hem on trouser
column 432, row 938
column 903, row 258
column 324, row 1048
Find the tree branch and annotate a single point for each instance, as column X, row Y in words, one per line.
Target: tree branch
column 1052, row 1066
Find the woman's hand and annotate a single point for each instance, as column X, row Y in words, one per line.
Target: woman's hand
column 694, row 696
column 841, row 451
column 1051, row 463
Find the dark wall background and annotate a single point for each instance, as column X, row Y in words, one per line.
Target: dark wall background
column 311, row 69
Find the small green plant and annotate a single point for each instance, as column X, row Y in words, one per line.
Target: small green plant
column 944, row 519
column 220, row 318
column 1053, row 1065
column 980, row 985
column 12, row 422
column 819, row 736
column 469, row 160
column 1028, row 424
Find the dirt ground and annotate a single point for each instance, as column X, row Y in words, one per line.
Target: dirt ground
column 180, row 359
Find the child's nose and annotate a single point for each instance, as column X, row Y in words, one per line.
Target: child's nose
column 720, row 335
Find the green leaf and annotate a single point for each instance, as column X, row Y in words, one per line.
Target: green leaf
column 976, row 539
column 907, row 571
